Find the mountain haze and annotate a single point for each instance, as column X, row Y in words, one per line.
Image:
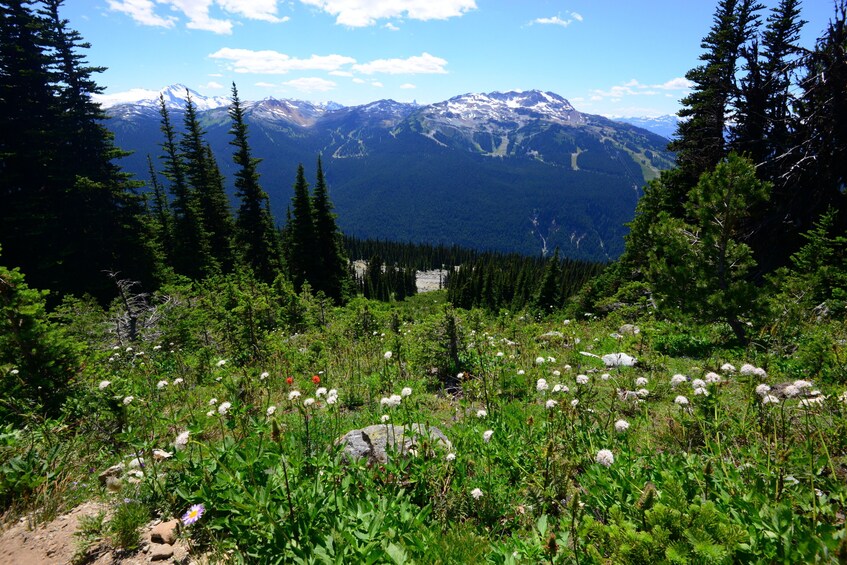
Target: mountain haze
column 513, row 171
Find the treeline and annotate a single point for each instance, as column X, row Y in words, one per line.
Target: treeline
column 515, row 282
column 419, row 256
column 69, row 215
column 757, row 207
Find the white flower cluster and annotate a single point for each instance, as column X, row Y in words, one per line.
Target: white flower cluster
column 728, row 368
column 712, row 378
column 582, row 379
column 677, row 380
column 541, row 385
column 605, row 457
column 621, row 426
column 751, row 370
column 391, row 401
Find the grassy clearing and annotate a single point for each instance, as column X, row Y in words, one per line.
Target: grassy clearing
column 555, row 457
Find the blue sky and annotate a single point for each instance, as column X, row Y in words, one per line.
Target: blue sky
column 610, row 57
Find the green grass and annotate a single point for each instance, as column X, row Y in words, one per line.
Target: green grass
column 723, row 479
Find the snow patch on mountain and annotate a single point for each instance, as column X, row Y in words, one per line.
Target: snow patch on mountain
column 175, row 96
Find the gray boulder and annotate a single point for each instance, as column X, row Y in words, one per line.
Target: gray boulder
column 374, row 443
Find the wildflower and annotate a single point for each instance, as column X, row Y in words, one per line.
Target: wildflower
column 451, row 457
column 104, row 384
column 210, row 413
column 218, row 379
column 161, row 384
column 759, row 372
column 574, row 402
column 728, row 368
column 391, row 401
column 551, row 404
column 270, row 411
column 157, row 347
column 642, row 393
column 802, row 384
column 582, row 379
column 213, row 401
column 181, row 440
column 551, row 359
column 678, row 380
column 521, row 372
column 499, row 354
column 605, row 376
column 128, row 349
column 843, row 398
column 388, row 355
column 293, row 395
column 178, row 381
column 476, row 493
column 320, row 392
column 407, row 391
column 541, row 385
column 481, row 413
column 681, row 400
column 539, row 360
column 621, row 426
column 194, row 513
column 316, row 379
column 712, row 378
column 641, row 381
column 128, row 400
column 264, row 375
column 567, row 367
column 486, row 436
column 384, row 418
column 701, row 392
column 308, row 402
column 747, row 369
column 698, row 383
column 224, row 408
column 605, row 457
column 331, row 399
column 289, row 381
column 560, row 388
column 221, row 363
column 791, row 391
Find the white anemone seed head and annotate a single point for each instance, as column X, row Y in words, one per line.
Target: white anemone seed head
column 605, row 457
column 486, row 435
column 621, row 426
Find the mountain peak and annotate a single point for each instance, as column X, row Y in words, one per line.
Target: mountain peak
column 175, row 95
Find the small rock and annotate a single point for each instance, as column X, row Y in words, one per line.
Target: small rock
column 376, row 442
column 166, row 532
column 159, row 552
column 629, row 329
column 114, row 471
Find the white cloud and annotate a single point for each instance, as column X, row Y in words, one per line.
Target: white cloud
column 142, row 11
column 377, row 84
column 265, row 84
column 131, row 95
column 264, row 10
column 360, row 13
column 679, row 83
column 311, row 84
column 274, row 62
column 423, row 64
column 558, row 21
column 341, row 73
column 634, row 88
column 407, row 86
column 216, row 75
column 358, row 81
column 197, row 12
column 212, row 85
column 391, row 27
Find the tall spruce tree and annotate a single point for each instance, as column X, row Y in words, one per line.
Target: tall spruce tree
column 87, row 213
column 191, row 254
column 258, row 240
column 205, row 181
column 302, row 255
column 329, row 247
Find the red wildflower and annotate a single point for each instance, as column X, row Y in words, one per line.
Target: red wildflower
column 290, row 380
column 316, row 379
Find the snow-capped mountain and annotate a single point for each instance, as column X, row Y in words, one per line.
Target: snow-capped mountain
column 175, row 95
column 471, row 170
column 660, row 125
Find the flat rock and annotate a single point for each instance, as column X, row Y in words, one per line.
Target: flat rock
column 618, row 360
column 374, row 443
column 161, row 551
column 166, row 532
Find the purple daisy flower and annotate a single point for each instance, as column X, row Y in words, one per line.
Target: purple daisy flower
column 194, row 513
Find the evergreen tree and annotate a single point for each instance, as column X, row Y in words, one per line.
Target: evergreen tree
column 302, row 263
column 205, row 180
column 701, row 136
column 191, row 254
column 330, row 252
column 161, row 213
column 702, row 267
column 548, row 296
column 257, row 238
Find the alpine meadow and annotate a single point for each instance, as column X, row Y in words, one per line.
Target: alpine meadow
column 493, row 328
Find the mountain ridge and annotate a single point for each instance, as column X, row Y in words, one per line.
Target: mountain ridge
column 510, row 171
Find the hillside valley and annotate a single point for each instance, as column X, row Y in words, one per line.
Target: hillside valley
column 515, row 171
